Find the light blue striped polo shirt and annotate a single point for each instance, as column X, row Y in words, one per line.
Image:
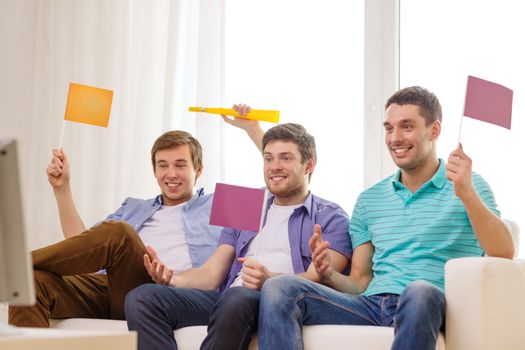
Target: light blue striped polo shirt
column 414, row 234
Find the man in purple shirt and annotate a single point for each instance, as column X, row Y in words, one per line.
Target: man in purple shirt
column 224, row 292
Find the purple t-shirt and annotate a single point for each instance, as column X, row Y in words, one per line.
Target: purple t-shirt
column 334, row 225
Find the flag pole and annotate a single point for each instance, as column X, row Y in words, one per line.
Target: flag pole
column 460, row 127
column 62, row 134
column 265, row 200
column 464, row 106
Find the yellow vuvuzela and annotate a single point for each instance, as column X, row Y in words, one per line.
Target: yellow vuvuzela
column 255, row 114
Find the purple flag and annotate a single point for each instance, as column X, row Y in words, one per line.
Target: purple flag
column 488, row 102
column 237, row 207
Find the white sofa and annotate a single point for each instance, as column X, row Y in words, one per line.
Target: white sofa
column 485, row 311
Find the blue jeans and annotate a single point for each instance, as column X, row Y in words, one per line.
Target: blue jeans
column 154, row 311
column 289, row 302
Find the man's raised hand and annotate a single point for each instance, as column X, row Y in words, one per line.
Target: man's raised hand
column 459, row 172
column 58, row 169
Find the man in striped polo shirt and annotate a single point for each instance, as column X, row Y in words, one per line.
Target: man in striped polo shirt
column 403, row 230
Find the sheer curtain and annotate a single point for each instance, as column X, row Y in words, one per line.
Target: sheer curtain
column 158, row 57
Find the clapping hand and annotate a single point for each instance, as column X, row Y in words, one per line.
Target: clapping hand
column 320, row 254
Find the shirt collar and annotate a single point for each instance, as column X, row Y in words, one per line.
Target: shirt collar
column 157, row 201
column 438, row 180
column 440, row 177
column 198, row 193
column 307, row 204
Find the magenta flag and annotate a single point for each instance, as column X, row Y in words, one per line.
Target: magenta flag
column 488, row 102
column 237, row 207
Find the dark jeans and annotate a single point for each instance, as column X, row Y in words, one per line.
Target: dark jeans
column 154, row 311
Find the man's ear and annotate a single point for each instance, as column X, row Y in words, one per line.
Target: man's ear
column 199, row 172
column 310, row 166
column 436, row 129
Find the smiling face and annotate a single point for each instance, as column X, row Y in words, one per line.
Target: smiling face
column 175, row 174
column 284, row 172
column 410, row 141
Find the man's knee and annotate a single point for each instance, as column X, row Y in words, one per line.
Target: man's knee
column 423, row 296
column 279, row 288
column 239, row 300
column 141, row 300
column 118, row 229
column 423, row 290
column 281, row 284
column 118, row 232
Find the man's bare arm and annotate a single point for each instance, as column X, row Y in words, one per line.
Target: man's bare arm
column 208, row 276
column 58, row 176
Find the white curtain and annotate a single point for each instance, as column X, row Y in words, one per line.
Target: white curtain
column 158, row 56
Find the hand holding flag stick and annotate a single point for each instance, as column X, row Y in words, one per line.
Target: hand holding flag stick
column 254, row 114
column 488, row 102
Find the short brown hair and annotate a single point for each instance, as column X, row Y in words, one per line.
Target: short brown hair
column 172, row 139
column 295, row 133
column 428, row 103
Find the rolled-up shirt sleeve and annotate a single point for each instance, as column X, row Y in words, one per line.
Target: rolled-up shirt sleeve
column 335, row 228
column 228, row 236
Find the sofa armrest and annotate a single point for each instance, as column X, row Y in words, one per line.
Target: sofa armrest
column 485, row 304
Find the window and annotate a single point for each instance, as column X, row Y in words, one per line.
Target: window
column 305, row 59
column 443, row 42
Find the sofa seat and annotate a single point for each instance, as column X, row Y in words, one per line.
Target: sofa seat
column 485, row 311
column 333, row 337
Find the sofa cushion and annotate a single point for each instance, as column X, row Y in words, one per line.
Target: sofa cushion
column 334, row 337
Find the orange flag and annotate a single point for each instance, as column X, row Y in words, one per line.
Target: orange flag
column 88, row 104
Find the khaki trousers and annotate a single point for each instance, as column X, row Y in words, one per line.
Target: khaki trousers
column 66, row 283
